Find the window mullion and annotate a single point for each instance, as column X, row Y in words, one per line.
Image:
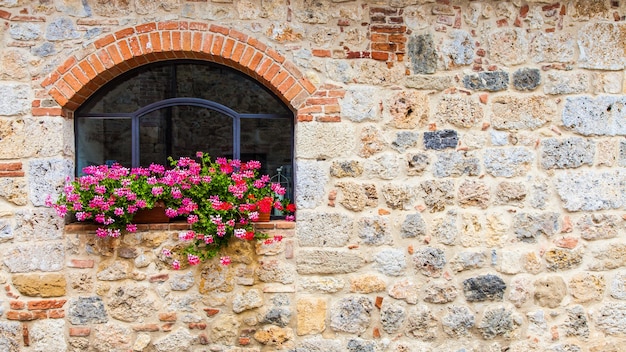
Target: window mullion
column 236, row 137
column 135, row 141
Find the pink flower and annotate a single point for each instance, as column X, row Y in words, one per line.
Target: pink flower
column 171, row 213
column 131, row 227
column 192, row 219
column 100, row 232
column 100, row 189
column 175, row 264
column 278, row 238
column 193, row 259
column 199, row 154
column 61, row 210
column 140, row 203
column 208, row 239
column 157, row 191
column 166, row 252
column 115, row 233
column 176, row 193
column 49, row 201
column 225, row 260
column 100, row 218
column 290, row 218
column 187, row 236
column 118, row 211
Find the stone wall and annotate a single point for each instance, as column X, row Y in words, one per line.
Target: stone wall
column 460, row 166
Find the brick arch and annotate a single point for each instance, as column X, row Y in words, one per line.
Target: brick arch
column 78, row 78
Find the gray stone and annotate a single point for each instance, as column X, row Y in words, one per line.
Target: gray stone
column 44, row 50
column 74, row 8
column 566, row 83
column 611, row 318
column 458, row 50
column 526, row 78
column 622, row 154
column 468, row 261
column 499, row 138
column 413, row 226
column 319, row 344
column 508, row 162
column 61, row 29
column 444, row 228
column 25, row 31
column 39, row 224
column 521, row 113
column 421, row 324
column 497, row 322
column 113, row 270
column 553, row 47
column 327, row 262
column 358, row 105
column 10, row 336
column 93, row 32
column 404, row 140
column 520, row 290
column 566, row 347
column 178, row 341
column 392, row 316
column 323, row 229
column 48, row 335
column 129, row 303
column 310, row 184
column 601, row 116
column 47, row 177
column 442, row 139
column 14, row 99
column 398, row 196
column 280, row 316
column 511, row 193
column 456, row 164
column 617, row 289
column 530, row 227
column 492, row 81
column 250, row 299
column 576, row 323
column 437, row 194
column 590, row 190
column 346, row 169
column 27, row 257
column 86, row 310
column 566, row 153
column 598, row 226
column 429, row 261
column 474, row 194
column 440, row 292
column 539, row 194
column 182, row 282
column 417, row 163
column 422, row 54
column 351, row 314
column 460, row 111
column 386, row 166
column 458, row 321
column 597, row 42
column 483, row 288
column 374, row 230
column 6, row 231
column 390, row 262
column 404, row 289
column 359, row 345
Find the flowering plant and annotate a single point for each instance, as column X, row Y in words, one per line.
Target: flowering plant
column 219, row 199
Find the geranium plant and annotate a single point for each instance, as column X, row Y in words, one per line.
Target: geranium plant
column 219, row 199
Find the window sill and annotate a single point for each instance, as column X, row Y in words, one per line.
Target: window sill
column 179, row 226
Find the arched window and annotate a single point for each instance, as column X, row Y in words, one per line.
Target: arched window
column 176, row 108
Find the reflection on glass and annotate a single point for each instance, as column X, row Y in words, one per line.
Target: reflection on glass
column 103, row 141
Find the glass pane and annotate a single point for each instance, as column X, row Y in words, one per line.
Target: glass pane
column 182, row 131
column 100, row 141
column 269, row 141
column 156, row 82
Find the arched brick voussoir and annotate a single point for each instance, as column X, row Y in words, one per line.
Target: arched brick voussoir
column 77, row 79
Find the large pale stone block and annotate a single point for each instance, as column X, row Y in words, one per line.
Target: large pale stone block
column 592, row 190
column 27, row 257
column 598, row 43
column 14, row 100
column 602, row 116
column 311, row 316
column 40, row 285
column 324, row 140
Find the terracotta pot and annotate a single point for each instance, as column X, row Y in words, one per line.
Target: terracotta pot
column 263, row 217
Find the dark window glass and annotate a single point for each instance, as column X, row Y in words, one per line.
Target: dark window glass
column 178, row 108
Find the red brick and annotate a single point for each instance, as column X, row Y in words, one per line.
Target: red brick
column 80, row 331
column 275, row 55
column 21, row 316
column 11, row 166
column 329, row 119
column 46, row 304
column 167, row 327
column 67, row 64
column 198, row 326
column 46, row 112
column 176, row 40
column 279, row 78
column 211, row 311
column 17, row 305
column 5, row 15
column 106, row 40
column 168, row 25
column 159, row 278
column 271, row 72
column 196, row 45
column 198, row 26
column 257, row 44
column 11, row 173
column 322, row 101
column 187, row 41
column 144, row 28
column 56, row 314
column 25, row 335
column 388, row 29
column 171, row 316
column 72, row 81
column 53, row 77
column 380, row 56
column 293, row 92
column 254, row 62
column 321, row 52
column 305, row 118
column 146, row 328
column 219, row 29
column 286, row 85
column 81, row 263
column 235, row 34
column 28, row 19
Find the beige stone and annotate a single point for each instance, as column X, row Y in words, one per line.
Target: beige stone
column 13, row 190
column 474, row 194
column 274, row 336
column 367, row 284
column 527, row 112
column 459, row 111
column 311, row 316
column 585, row 287
column 40, row 285
column 409, row 109
column 550, row 291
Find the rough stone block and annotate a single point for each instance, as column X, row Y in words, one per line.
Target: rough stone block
column 310, row 184
column 327, row 262
column 459, row 111
column 358, row 105
column 404, row 289
column 356, row 196
column 86, row 310
column 311, row 316
column 437, row 194
column 422, row 54
column 530, row 227
column 421, row 324
column 444, row 228
column 598, row 226
column 405, row 140
column 440, row 292
column 398, row 196
column 483, row 288
column 409, row 109
column 456, row 164
column 47, row 177
column 374, row 230
column 392, row 316
column 48, row 335
column 526, row 78
column 346, row 169
column 13, row 190
column 351, row 314
column 413, row 226
column 325, row 284
column 430, row 82
column 508, row 162
column 553, row 47
column 602, row 116
column 608, row 257
column 563, row 259
column 458, row 321
column 458, row 50
column 468, row 261
column 522, row 113
column 10, row 336
column 429, row 261
column 14, row 99
column 508, row 46
column 567, row 153
column 498, row 321
column 611, row 318
column 39, row 224
column 474, row 194
column 590, row 190
column 27, row 257
column 323, row 229
column 371, row 141
column 61, row 29
column 511, row 193
column 439, row 140
column 367, row 284
column 386, row 166
column 271, row 270
column 40, row 285
column 312, row 140
column 492, row 81
column 390, row 261
column 25, row 31
column 576, row 323
column 566, row 83
column 585, row 287
column 597, row 42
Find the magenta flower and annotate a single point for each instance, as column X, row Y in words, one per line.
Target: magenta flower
column 118, row 211
column 175, row 264
column 193, row 259
column 192, row 219
column 100, row 232
column 131, row 227
column 157, row 191
column 225, row 260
